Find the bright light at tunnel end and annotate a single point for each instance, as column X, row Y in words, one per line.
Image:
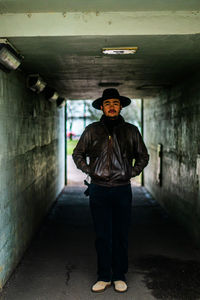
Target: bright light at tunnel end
column 120, row 50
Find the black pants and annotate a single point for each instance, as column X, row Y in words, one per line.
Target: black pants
column 111, row 212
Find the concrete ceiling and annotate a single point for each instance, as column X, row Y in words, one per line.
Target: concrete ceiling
column 66, row 48
column 75, row 66
column 24, row 6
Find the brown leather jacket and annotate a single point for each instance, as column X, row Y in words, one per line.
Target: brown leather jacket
column 111, row 157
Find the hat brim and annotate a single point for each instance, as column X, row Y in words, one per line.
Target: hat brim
column 125, row 101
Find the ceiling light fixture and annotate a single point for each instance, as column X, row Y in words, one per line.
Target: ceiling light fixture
column 35, row 83
column 120, row 50
column 10, row 59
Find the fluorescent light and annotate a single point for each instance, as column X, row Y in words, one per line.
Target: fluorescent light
column 120, row 50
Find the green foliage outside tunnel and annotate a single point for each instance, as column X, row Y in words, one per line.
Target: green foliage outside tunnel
column 71, row 144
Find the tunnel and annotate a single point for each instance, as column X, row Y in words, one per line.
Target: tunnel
column 62, row 43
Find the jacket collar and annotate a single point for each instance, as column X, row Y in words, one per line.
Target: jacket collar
column 118, row 121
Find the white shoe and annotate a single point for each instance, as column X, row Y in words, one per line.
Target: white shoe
column 120, row 286
column 100, row 286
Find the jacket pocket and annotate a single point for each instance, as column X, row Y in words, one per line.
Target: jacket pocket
column 127, row 167
column 99, row 168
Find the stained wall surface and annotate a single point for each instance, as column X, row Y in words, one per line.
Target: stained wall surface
column 31, row 165
column 173, row 120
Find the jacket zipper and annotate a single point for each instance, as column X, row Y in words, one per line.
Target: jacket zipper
column 109, row 144
column 109, row 151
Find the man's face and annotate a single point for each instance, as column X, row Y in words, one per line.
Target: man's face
column 111, row 108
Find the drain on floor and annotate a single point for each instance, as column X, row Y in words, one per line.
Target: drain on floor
column 170, row 278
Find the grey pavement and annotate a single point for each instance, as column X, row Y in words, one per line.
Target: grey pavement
column 61, row 261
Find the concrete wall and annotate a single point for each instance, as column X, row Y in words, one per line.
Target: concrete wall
column 173, row 119
column 31, row 165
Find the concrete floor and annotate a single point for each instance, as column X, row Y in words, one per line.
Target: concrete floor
column 61, row 261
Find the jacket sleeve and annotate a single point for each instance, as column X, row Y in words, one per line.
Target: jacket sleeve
column 141, row 155
column 81, row 150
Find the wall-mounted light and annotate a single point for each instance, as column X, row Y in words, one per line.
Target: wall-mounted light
column 10, row 59
column 35, row 83
column 61, row 102
column 51, row 94
column 120, row 50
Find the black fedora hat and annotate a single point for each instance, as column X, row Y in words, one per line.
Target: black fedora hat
column 111, row 94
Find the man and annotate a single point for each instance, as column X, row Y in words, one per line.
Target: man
column 111, row 145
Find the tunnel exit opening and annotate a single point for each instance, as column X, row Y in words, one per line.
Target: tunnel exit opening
column 78, row 115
